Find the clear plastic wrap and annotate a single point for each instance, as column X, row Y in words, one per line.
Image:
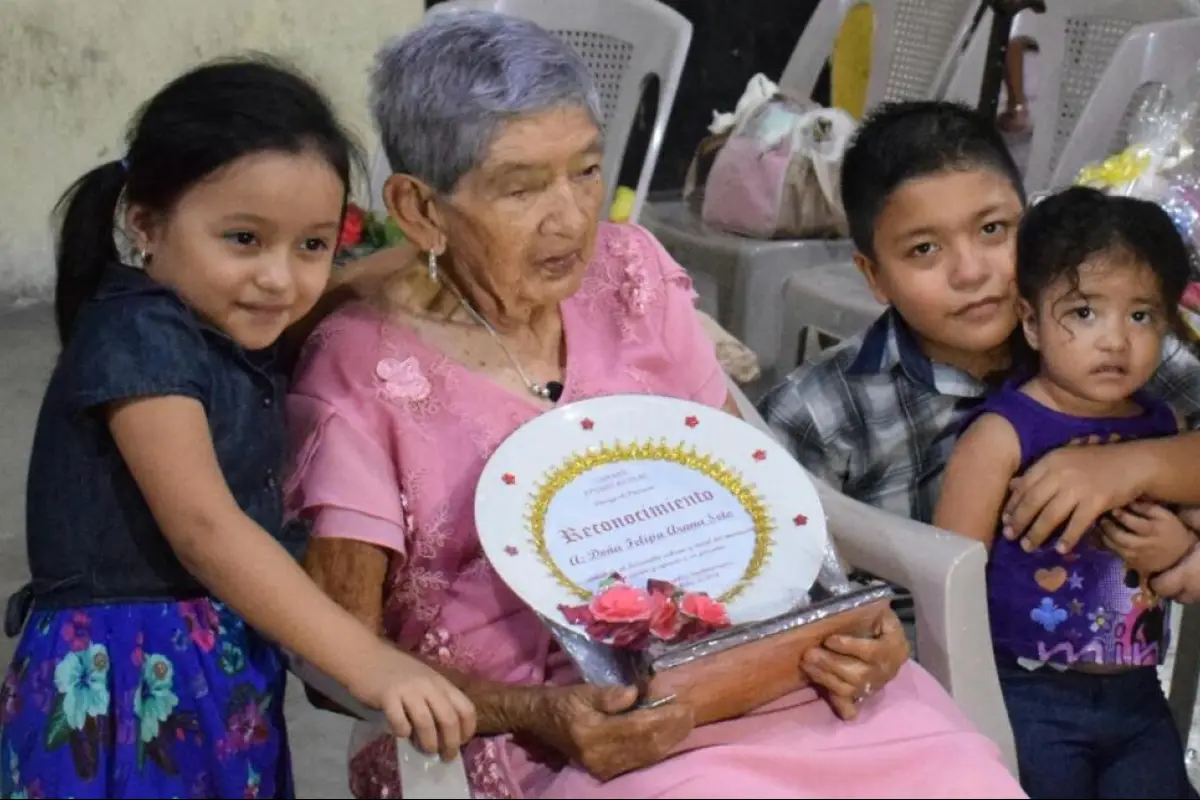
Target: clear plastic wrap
column 1160, row 163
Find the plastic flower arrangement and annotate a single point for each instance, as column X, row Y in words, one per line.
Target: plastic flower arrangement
column 630, row 618
column 1160, row 163
column 364, row 232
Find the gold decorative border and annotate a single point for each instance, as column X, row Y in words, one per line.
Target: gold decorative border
column 576, row 464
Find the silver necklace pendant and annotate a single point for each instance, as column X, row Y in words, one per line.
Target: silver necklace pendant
column 551, row 390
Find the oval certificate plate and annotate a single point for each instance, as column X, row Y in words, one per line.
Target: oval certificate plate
column 650, row 488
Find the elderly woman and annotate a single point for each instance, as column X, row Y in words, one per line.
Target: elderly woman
column 515, row 298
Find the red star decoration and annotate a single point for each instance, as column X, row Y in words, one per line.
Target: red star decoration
column 509, row 478
column 800, row 520
column 512, row 551
column 691, row 422
column 760, row 455
column 586, row 424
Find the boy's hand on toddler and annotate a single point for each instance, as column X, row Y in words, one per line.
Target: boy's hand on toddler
column 1147, row 536
column 1072, row 486
column 420, row 703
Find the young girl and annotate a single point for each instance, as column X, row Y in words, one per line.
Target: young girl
column 1077, row 637
column 150, row 664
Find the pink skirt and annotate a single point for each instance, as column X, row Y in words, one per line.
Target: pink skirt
column 908, row 741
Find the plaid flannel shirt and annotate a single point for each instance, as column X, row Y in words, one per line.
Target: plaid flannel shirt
column 877, row 420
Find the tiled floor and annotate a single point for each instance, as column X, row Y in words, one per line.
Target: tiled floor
column 27, row 349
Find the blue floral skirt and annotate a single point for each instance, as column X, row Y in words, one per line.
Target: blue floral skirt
column 170, row 699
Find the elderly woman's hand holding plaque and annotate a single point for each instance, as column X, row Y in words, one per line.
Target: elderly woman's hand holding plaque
column 673, row 547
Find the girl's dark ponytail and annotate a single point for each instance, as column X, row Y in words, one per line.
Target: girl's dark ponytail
column 85, row 245
column 197, row 124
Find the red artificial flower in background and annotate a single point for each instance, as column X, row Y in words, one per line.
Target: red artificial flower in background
column 352, row 226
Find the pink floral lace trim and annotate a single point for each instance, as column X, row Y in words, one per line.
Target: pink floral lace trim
column 622, row 273
column 375, row 771
column 402, row 380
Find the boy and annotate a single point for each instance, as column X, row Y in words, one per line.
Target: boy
column 933, row 199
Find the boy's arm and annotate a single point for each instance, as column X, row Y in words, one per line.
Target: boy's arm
column 1075, row 486
column 1078, row 485
column 976, row 479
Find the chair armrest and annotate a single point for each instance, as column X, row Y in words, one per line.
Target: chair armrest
column 425, row 776
column 945, row 574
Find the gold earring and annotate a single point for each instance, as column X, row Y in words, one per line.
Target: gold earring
column 432, row 264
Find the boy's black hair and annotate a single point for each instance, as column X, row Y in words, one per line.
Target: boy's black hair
column 900, row 142
column 1065, row 230
column 198, row 123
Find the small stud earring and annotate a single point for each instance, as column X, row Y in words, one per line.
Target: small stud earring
column 431, row 262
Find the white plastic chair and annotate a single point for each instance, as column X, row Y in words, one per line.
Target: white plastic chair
column 1078, row 41
column 910, row 51
column 1163, row 53
column 740, row 279
column 967, row 78
column 424, row 777
column 945, row 574
column 822, row 307
column 623, row 43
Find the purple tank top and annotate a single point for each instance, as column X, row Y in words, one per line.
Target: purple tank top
column 1085, row 606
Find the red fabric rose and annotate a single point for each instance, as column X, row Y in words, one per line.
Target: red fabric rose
column 620, row 603
column 665, row 620
column 628, row 618
column 703, row 608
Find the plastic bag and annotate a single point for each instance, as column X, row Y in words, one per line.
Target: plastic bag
column 1160, row 163
column 777, row 173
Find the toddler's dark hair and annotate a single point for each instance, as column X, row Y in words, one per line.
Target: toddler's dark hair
column 197, row 124
column 900, row 142
column 1067, row 229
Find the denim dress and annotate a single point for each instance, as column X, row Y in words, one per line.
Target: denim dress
column 130, row 680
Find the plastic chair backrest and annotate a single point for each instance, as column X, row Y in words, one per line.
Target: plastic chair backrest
column 966, row 77
column 1078, row 39
column 1162, row 53
column 913, row 45
column 623, row 43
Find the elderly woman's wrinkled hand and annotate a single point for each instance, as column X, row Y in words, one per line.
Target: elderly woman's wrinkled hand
column 851, row 668
column 593, row 726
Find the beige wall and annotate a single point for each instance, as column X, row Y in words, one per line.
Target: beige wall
column 73, row 71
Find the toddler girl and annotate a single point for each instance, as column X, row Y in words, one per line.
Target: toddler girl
column 150, row 663
column 1077, row 637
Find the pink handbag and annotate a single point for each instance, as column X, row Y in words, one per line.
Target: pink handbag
column 777, row 174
